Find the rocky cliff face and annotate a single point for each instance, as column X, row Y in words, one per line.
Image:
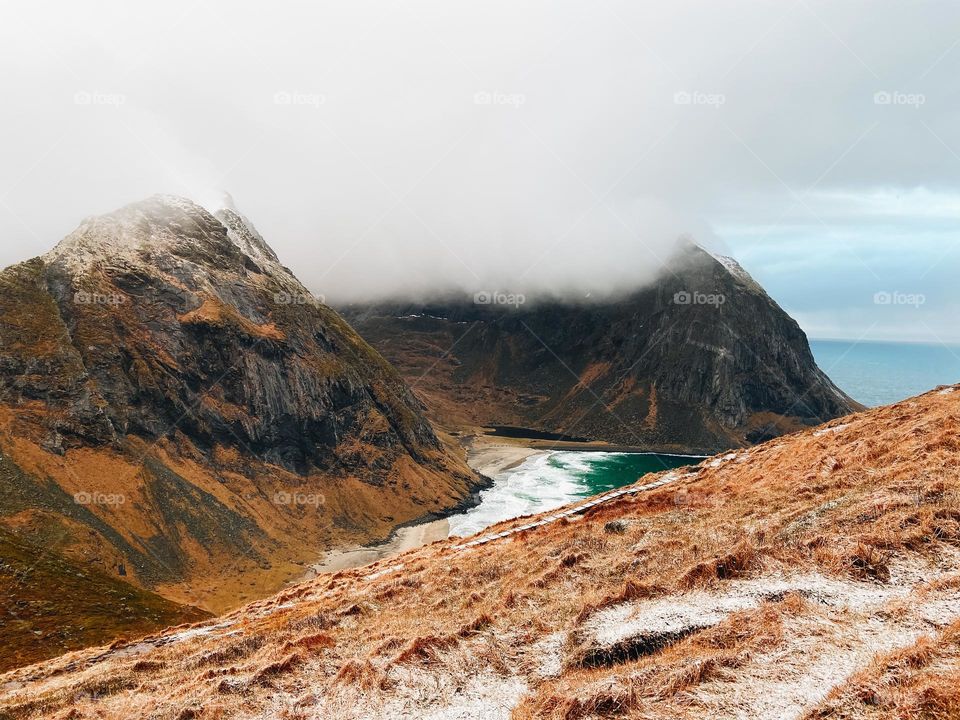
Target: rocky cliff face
column 178, row 408
column 162, row 318
column 702, row 360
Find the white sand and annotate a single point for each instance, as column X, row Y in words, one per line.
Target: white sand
column 492, row 459
column 486, row 458
column 406, row 538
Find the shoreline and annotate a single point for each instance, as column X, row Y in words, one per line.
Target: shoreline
column 402, row 539
column 481, row 436
column 487, row 457
column 491, row 456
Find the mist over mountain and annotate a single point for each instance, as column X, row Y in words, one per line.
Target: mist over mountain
column 389, row 148
column 698, row 361
column 183, row 422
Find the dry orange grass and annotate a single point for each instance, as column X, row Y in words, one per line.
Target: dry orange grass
column 659, row 674
column 219, row 578
column 854, row 504
column 920, row 681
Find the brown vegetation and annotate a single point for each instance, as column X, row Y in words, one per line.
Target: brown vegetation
column 815, row 575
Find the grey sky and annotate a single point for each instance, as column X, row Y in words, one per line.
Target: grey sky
column 384, row 147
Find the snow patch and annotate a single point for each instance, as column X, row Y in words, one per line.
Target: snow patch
column 191, row 633
column 799, row 674
column 819, row 654
column 829, row 430
column 731, row 265
column 385, row 571
column 686, row 613
column 717, row 462
column 549, row 652
column 424, row 695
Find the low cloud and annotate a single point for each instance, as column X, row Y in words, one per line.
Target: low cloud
column 396, row 148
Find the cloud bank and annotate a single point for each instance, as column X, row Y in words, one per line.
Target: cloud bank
column 386, row 148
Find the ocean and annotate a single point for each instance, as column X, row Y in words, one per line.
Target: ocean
column 555, row 478
column 872, row 373
column 880, row 373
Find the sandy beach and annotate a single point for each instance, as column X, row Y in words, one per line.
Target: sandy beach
column 487, row 456
column 406, row 538
column 491, row 457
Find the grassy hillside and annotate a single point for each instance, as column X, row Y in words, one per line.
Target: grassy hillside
column 816, row 575
column 52, row 605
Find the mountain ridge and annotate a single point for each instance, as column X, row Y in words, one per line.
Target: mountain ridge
column 701, row 360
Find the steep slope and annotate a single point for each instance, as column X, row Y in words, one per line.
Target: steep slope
column 178, row 412
column 52, row 605
column 773, row 582
column 700, row 361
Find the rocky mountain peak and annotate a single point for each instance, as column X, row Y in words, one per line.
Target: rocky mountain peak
column 149, row 305
column 700, row 360
column 169, row 233
column 243, row 233
column 162, row 358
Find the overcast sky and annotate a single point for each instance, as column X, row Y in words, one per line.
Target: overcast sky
column 385, row 147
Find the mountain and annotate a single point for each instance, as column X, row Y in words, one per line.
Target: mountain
column 699, row 361
column 53, row 605
column 177, row 412
column 816, row 575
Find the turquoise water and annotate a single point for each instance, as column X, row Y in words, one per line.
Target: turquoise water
column 555, row 478
column 870, row 372
column 880, row 373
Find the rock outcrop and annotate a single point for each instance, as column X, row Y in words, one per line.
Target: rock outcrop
column 162, row 317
